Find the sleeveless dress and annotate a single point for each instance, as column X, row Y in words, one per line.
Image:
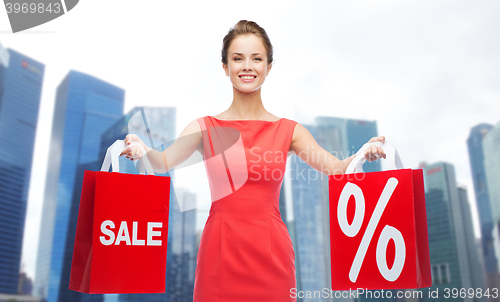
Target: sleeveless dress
column 245, row 253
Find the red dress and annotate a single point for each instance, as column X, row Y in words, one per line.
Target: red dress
column 245, row 253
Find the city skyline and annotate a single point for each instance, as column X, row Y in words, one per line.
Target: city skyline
column 438, row 85
column 322, row 120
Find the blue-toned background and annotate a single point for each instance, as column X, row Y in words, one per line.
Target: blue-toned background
column 424, row 74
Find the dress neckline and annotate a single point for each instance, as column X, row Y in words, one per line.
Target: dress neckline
column 245, row 120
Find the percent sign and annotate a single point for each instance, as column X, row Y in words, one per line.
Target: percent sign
column 388, row 232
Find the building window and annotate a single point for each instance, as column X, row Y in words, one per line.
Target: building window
column 440, row 273
column 435, row 275
column 445, row 273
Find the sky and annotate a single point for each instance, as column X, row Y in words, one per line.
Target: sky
column 426, row 71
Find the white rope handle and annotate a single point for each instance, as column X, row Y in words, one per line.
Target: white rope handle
column 113, row 154
column 393, row 160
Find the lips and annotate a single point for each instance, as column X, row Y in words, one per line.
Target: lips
column 247, row 77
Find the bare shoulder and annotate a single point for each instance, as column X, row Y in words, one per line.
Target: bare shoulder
column 295, row 137
column 301, row 138
column 192, row 136
column 191, row 128
column 299, row 132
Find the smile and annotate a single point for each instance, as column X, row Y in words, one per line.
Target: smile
column 247, row 79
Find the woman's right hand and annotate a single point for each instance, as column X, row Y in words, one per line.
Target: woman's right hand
column 133, row 152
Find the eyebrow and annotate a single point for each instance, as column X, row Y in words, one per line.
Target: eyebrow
column 237, row 53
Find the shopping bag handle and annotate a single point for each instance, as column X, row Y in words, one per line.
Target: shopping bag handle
column 113, row 154
column 393, row 160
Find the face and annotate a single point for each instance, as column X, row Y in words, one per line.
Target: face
column 247, row 63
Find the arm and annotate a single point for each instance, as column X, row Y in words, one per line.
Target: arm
column 305, row 146
column 189, row 141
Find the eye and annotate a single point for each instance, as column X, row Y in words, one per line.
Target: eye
column 237, row 59
column 258, row 59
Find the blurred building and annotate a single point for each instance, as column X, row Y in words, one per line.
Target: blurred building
column 25, row 286
column 491, row 149
column 484, row 208
column 491, row 152
column 496, row 245
column 84, row 108
column 454, row 261
column 475, row 258
column 182, row 250
column 21, row 80
column 344, row 137
column 341, row 138
column 310, row 238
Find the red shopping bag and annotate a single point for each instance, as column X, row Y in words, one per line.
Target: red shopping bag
column 378, row 227
column 121, row 234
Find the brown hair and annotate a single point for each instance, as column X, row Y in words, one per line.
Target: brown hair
column 244, row 27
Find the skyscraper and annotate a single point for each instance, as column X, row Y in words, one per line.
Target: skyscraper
column 486, row 222
column 450, row 231
column 182, row 249
column 21, row 80
column 308, row 207
column 491, row 149
column 491, row 179
column 341, row 138
column 350, row 136
column 85, row 107
column 473, row 256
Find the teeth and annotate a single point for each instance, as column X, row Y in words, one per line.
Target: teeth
column 247, row 78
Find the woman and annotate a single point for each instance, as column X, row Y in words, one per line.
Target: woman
column 245, row 251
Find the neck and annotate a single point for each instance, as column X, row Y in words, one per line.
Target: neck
column 247, row 106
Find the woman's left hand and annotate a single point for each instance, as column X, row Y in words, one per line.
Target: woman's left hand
column 375, row 152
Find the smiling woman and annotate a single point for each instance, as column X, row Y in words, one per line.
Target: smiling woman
column 247, row 66
column 246, row 253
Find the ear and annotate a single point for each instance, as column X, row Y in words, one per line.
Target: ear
column 269, row 69
column 226, row 70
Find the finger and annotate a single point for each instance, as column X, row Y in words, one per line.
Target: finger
column 381, row 152
column 373, row 153
column 368, row 155
column 382, row 138
column 126, row 151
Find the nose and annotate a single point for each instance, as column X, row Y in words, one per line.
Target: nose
column 248, row 64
